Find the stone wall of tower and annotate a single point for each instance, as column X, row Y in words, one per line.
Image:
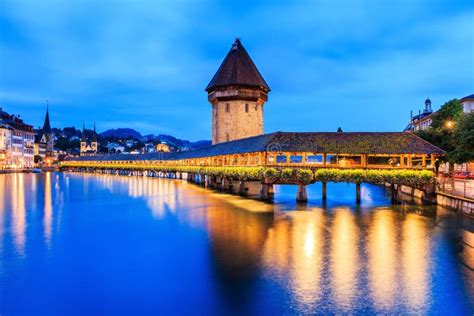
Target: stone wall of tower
column 236, row 119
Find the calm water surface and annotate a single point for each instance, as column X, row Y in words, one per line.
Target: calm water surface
column 74, row 244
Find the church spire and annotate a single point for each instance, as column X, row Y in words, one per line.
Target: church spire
column 83, row 137
column 47, row 124
column 94, row 135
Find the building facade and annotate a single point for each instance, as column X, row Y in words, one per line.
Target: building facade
column 44, row 139
column 89, row 145
column 423, row 120
column 237, row 93
column 5, row 146
column 17, row 140
column 468, row 103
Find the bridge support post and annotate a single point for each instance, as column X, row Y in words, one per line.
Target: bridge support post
column 271, row 189
column 358, row 193
column 264, row 192
column 212, row 182
column 324, row 190
column 301, row 196
column 224, row 184
column 242, row 188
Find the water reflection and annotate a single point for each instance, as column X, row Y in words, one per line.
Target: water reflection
column 415, row 255
column 18, row 211
column 344, row 257
column 236, row 240
column 382, row 253
column 48, row 208
column 307, row 258
column 335, row 260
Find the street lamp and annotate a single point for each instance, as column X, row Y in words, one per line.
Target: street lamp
column 449, row 124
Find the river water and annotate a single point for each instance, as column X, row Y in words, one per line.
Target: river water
column 78, row 244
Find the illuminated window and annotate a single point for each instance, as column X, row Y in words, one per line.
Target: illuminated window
column 393, row 161
column 227, row 107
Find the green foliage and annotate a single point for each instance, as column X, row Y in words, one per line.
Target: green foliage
column 287, row 175
column 414, row 178
column 270, row 173
column 464, row 139
column 304, row 176
column 450, row 111
column 457, row 139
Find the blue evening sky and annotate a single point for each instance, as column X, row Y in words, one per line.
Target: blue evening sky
column 145, row 64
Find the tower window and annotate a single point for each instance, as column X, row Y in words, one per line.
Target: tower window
column 246, row 107
column 227, row 107
column 226, row 137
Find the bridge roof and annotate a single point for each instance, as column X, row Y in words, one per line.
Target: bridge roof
column 330, row 143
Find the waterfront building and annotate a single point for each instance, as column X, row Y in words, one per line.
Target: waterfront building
column 5, row 146
column 468, row 103
column 21, row 151
column 89, row 146
column 237, row 93
column 423, row 120
column 163, row 147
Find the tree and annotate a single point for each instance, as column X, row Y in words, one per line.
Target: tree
column 453, row 132
column 464, row 139
column 451, row 111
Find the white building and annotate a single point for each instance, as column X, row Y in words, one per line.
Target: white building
column 468, row 103
column 5, row 146
column 22, row 146
column 423, row 120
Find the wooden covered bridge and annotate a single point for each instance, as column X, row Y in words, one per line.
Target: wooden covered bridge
column 276, row 158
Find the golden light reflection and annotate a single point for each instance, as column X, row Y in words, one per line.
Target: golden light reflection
column 307, row 257
column 3, row 201
column 3, row 196
column 237, row 238
column 415, row 257
column 382, row 251
column 344, row 258
column 18, row 209
column 48, row 207
column 276, row 253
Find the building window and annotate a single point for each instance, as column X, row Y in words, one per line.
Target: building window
column 227, row 107
column 246, row 107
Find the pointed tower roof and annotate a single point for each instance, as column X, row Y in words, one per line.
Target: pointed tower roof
column 94, row 135
column 47, row 125
column 83, row 136
column 237, row 69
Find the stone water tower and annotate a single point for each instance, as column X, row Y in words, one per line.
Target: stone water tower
column 237, row 93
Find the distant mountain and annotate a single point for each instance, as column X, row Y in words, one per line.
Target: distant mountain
column 126, row 133
column 121, row 133
column 176, row 142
